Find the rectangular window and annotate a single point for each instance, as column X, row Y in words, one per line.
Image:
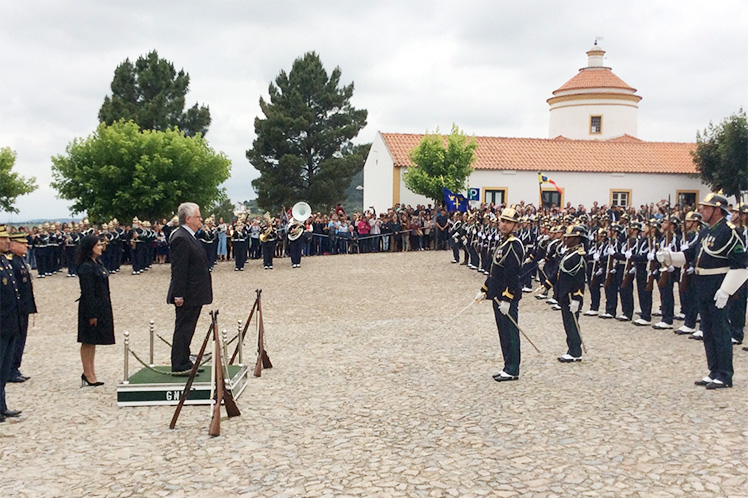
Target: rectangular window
column 596, row 125
column 495, row 195
column 620, row 198
column 687, row 198
column 551, row 197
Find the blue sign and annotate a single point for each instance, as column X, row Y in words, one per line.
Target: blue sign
column 473, row 194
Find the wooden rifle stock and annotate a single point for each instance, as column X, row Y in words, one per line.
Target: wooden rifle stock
column 263, row 360
column 192, row 376
column 664, row 274
column 628, row 277
column 222, row 394
column 608, row 273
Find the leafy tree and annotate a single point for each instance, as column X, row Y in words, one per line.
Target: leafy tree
column 303, row 148
column 438, row 165
column 122, row 171
column 12, row 184
column 721, row 155
column 151, row 93
column 222, row 208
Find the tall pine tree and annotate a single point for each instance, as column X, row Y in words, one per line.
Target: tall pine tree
column 303, row 148
column 152, row 94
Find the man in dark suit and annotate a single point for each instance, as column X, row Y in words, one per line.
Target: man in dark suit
column 190, row 286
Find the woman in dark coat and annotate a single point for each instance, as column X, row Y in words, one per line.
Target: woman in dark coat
column 95, row 321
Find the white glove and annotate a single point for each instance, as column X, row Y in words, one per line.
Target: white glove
column 504, row 307
column 612, row 271
column 632, row 271
column 691, row 270
column 527, row 261
column 541, row 264
column 684, row 246
column 480, row 296
column 599, row 272
column 563, row 250
column 720, row 298
column 670, row 269
column 628, row 253
column 496, row 237
column 664, row 257
column 574, row 306
column 650, row 256
column 610, row 251
column 596, row 256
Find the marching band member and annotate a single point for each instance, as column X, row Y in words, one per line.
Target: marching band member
column 268, row 238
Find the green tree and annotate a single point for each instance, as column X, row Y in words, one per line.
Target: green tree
column 222, row 208
column 440, row 165
column 152, row 94
column 12, row 184
column 721, row 155
column 122, row 171
column 303, row 148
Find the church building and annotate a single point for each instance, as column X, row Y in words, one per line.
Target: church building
column 592, row 154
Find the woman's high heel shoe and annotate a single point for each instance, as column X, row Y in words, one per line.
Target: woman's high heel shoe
column 85, row 382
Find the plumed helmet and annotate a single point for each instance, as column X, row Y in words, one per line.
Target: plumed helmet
column 575, row 231
column 509, row 214
column 693, row 216
column 715, row 200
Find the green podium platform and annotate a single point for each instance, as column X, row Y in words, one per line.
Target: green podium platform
column 148, row 388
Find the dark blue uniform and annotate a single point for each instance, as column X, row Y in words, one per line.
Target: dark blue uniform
column 10, row 325
column 721, row 250
column 26, row 306
column 503, row 284
column 572, row 269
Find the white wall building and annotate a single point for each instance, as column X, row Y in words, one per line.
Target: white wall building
column 593, row 155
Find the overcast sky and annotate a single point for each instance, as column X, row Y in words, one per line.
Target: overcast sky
column 487, row 66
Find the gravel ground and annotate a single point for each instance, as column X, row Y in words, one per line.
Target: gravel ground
column 371, row 396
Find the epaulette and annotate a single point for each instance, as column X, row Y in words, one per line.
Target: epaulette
column 511, row 238
column 581, row 251
column 729, row 224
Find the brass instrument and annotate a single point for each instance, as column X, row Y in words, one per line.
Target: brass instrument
column 295, row 231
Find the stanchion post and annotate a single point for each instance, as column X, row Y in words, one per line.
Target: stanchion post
column 152, row 331
column 241, row 342
column 127, row 357
column 225, row 352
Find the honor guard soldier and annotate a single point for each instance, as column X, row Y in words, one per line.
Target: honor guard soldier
column 42, row 251
column 628, row 273
column 596, row 271
column 572, row 269
column 612, row 270
column 668, row 274
column 690, row 237
column 10, row 320
column 503, row 288
column 737, row 304
column 137, row 246
column 455, row 233
column 26, row 303
column 721, row 267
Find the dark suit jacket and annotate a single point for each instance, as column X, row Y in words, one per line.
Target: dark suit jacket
column 190, row 278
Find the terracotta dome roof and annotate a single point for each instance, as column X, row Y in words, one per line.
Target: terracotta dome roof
column 589, row 78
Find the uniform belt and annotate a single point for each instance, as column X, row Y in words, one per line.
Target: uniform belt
column 712, row 271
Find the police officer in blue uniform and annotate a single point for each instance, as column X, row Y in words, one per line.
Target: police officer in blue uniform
column 10, row 320
column 721, row 268
column 502, row 287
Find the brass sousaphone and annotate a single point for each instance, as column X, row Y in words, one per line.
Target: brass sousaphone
column 300, row 212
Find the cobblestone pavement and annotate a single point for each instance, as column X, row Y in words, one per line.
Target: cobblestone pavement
column 371, row 397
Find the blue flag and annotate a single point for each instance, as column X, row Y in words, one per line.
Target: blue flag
column 455, row 202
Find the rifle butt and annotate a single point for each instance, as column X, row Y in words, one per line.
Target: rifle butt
column 266, row 360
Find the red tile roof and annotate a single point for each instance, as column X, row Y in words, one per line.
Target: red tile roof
column 624, row 154
column 588, row 78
